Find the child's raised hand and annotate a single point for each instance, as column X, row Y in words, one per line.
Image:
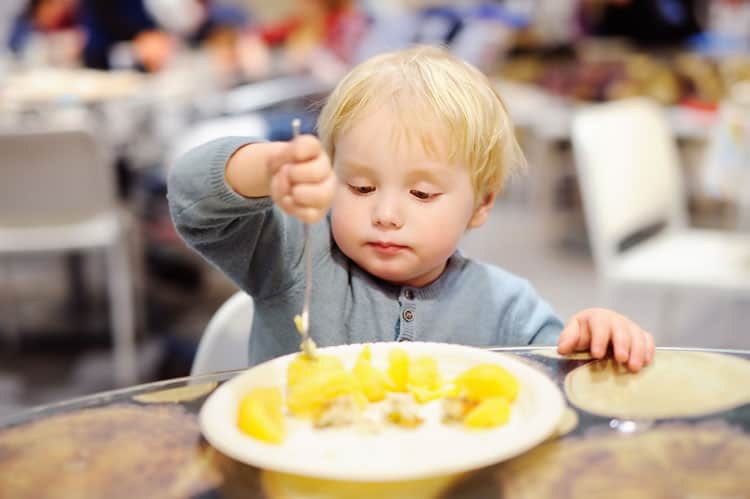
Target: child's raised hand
column 595, row 328
column 302, row 180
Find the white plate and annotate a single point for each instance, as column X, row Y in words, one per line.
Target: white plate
column 393, row 454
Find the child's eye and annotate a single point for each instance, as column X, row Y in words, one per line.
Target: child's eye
column 424, row 196
column 361, row 189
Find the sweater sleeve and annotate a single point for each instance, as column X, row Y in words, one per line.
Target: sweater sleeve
column 533, row 316
column 253, row 242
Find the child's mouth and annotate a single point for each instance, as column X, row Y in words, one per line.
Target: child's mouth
column 386, row 248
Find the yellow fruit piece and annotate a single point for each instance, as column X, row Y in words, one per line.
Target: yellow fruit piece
column 423, row 372
column 260, row 415
column 313, row 383
column 373, row 382
column 490, row 412
column 302, row 367
column 365, row 354
column 398, row 369
column 423, row 394
column 487, row 380
column 298, row 323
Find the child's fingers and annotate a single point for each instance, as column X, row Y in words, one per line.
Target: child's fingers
column 309, row 172
column 621, row 340
column 311, row 195
column 304, row 148
column 584, row 337
column 568, row 340
column 649, row 346
column 286, row 203
column 307, row 214
column 600, row 334
column 280, row 185
column 637, row 350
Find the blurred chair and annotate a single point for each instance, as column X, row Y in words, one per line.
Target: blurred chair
column 57, row 195
column 635, row 208
column 225, row 341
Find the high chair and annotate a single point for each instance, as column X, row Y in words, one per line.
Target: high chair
column 224, row 344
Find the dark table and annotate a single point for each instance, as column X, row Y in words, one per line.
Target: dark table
column 687, row 436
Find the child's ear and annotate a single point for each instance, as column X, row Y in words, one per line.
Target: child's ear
column 482, row 211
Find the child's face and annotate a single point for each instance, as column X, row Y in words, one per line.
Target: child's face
column 398, row 212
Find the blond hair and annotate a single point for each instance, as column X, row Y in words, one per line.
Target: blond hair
column 430, row 91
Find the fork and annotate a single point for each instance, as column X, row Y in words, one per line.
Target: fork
column 303, row 321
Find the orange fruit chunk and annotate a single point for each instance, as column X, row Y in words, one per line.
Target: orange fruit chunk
column 260, row 415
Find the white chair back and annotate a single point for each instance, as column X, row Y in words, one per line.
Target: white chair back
column 629, row 173
column 225, row 341
column 53, row 177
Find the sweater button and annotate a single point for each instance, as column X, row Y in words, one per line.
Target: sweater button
column 408, row 315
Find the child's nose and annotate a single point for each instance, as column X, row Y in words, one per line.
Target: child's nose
column 386, row 215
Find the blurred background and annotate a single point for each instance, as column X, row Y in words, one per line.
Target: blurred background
column 98, row 98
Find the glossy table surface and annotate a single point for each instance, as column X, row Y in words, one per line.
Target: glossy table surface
column 145, row 441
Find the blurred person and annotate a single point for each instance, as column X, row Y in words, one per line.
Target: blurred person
column 155, row 29
column 320, row 37
column 651, row 22
column 51, row 26
column 113, row 22
column 206, row 25
column 414, row 147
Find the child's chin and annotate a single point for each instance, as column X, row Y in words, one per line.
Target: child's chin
column 394, row 276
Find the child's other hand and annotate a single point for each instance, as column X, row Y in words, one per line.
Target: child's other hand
column 595, row 328
column 302, row 180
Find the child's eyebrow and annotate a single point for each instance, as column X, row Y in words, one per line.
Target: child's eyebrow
column 431, row 174
column 352, row 167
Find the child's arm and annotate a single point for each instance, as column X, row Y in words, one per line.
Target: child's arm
column 595, row 328
column 218, row 197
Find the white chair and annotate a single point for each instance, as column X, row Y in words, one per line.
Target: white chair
column 57, row 194
column 224, row 344
column 635, row 208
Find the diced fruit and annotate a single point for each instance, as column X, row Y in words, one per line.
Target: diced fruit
column 302, row 367
column 260, row 415
column 487, row 380
column 313, row 383
column 490, row 412
column 424, row 395
column 424, row 379
column 373, row 382
column 398, row 369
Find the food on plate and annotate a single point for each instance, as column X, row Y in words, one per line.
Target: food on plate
column 424, row 379
column 337, row 412
column 403, row 411
column 490, row 412
column 455, row 409
column 373, row 382
column 330, row 395
column 398, row 369
column 485, row 381
column 261, row 415
column 312, row 383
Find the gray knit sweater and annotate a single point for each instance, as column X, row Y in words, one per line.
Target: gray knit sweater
column 260, row 249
